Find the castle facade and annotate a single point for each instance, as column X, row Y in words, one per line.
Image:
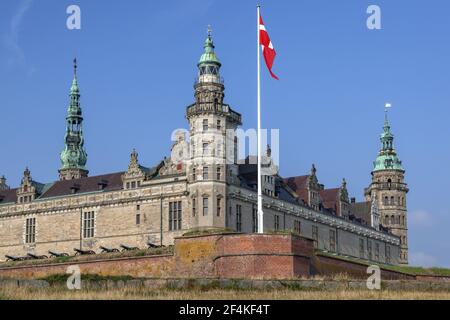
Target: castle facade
column 202, row 184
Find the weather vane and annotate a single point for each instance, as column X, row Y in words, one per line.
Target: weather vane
column 75, row 66
column 387, row 106
column 209, row 30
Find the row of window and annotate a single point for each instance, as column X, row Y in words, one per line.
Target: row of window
column 88, row 227
column 392, row 201
column 400, row 220
column 206, row 124
column 133, row 184
column 205, row 173
column 25, row 199
column 205, row 208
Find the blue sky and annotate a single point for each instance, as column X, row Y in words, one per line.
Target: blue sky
column 137, row 63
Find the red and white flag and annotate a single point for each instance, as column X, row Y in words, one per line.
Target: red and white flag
column 267, row 47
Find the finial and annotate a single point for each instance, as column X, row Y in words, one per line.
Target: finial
column 269, row 151
column 344, row 183
column 387, row 106
column 313, row 169
column 209, row 31
column 75, row 67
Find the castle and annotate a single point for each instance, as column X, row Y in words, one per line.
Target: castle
column 202, row 184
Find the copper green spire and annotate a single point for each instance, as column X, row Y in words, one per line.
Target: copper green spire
column 387, row 157
column 209, row 65
column 73, row 157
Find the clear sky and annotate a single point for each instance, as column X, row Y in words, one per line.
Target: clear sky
column 137, row 64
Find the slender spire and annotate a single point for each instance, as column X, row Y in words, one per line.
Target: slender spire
column 73, row 157
column 387, row 157
column 209, row 56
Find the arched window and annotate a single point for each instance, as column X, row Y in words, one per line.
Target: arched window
column 392, row 219
column 392, row 201
column 389, row 184
column 386, row 200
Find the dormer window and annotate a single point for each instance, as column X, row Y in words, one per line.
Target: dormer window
column 102, row 184
column 75, row 188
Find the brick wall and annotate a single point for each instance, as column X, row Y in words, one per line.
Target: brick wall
column 222, row 256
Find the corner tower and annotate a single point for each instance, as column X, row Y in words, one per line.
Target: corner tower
column 389, row 190
column 212, row 159
column 74, row 157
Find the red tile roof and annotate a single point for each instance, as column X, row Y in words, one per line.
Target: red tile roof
column 330, row 198
column 8, row 196
column 298, row 185
column 112, row 181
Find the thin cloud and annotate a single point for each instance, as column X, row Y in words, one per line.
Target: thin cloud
column 422, row 259
column 421, row 218
column 11, row 38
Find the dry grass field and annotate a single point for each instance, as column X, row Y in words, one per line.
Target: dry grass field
column 214, row 294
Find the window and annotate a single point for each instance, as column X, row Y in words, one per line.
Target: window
column 219, row 206
column 175, row 215
column 254, row 219
column 388, row 254
column 205, row 206
column 205, row 124
column 238, row 218
column 276, row 223
column 386, row 200
column 315, row 236
column 369, row 249
column 377, row 251
column 332, row 240
column 392, row 201
column 128, row 185
column 88, row 224
column 194, row 207
column 205, row 149
column 30, row 231
column 361, row 248
column 297, row 226
column 138, row 215
column 218, row 173
column 133, row 185
column 219, row 125
column 205, row 173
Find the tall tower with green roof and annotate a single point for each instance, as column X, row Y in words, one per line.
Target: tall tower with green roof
column 74, row 157
column 210, row 121
column 389, row 189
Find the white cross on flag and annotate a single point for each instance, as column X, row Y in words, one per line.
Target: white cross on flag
column 267, row 47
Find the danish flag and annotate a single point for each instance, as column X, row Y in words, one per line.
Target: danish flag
column 267, row 47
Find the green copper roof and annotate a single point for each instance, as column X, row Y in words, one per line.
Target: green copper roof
column 387, row 157
column 209, row 56
column 73, row 156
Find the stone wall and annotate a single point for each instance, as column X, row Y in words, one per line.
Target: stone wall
column 212, row 256
column 232, row 256
column 325, row 265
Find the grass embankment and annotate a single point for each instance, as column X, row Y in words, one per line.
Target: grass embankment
column 215, row 294
column 434, row 271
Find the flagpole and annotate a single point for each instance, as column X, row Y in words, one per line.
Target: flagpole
column 260, row 205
